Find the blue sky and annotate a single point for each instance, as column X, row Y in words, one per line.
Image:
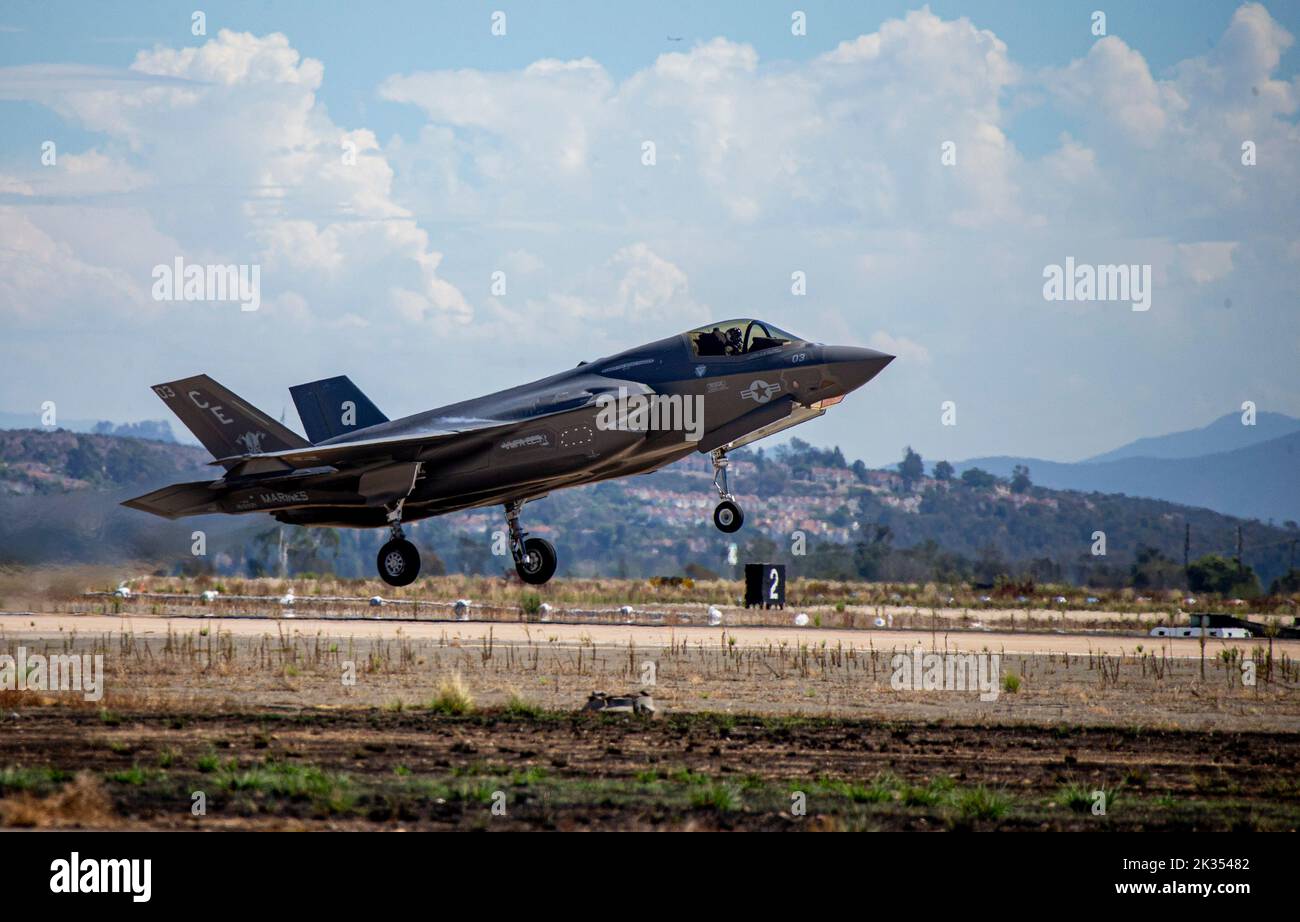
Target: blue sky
column 777, row 153
column 361, row 49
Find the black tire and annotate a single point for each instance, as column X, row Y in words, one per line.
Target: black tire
column 539, row 561
column 398, row 562
column 728, row 517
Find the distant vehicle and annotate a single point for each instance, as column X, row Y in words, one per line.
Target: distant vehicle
column 1219, row 624
column 711, row 390
column 1226, row 633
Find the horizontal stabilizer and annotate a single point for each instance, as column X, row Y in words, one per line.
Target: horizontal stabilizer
column 178, row 500
column 225, row 424
column 332, row 407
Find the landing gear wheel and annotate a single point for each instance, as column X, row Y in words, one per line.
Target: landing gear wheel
column 538, row 562
column 399, row 562
column 728, row 517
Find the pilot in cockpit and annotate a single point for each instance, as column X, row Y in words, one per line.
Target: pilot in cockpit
column 716, row 342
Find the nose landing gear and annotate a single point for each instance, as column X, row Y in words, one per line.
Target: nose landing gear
column 727, row 516
column 398, row 561
column 535, row 558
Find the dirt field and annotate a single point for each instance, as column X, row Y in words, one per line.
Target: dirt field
column 417, row 770
column 166, row 663
column 383, row 723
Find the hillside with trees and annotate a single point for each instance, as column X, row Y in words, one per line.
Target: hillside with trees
column 808, row 507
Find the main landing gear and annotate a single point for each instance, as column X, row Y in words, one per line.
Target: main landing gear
column 399, row 561
column 535, row 559
column 727, row 516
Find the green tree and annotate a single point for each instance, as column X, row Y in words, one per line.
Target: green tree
column 430, row 563
column 1020, row 481
column 841, row 517
column 943, row 471
column 84, row 462
column 1043, row 570
column 911, row 467
column 989, row 566
column 830, row 561
column 1213, row 573
column 978, row 479
column 1153, row 570
column 1286, row 584
column 870, row 554
column 759, row 549
column 771, row 480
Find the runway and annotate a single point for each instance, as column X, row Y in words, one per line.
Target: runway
column 26, row 625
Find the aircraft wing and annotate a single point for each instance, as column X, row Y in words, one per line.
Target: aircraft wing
column 407, row 438
column 361, row 449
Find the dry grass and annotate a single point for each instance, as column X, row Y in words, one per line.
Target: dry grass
column 80, row 804
column 210, row 668
column 453, row 697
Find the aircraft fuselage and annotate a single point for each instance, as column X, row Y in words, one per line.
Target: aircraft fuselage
column 534, row 457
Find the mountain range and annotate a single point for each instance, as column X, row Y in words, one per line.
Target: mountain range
column 1249, row 471
column 1226, row 433
column 156, row 429
column 59, row 495
column 1246, row 471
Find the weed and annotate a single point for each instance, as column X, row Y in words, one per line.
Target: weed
column 723, row 797
column 981, row 803
column 30, row 779
column 453, row 698
column 928, row 795
column 520, row 707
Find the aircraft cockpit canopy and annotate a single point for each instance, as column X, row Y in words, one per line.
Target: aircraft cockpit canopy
column 737, row 337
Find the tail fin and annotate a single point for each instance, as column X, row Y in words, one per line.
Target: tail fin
column 334, row 406
column 226, row 425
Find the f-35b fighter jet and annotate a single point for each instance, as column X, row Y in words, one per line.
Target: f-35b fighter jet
column 710, row 390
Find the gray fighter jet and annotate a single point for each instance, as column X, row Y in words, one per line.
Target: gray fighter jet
column 711, row 390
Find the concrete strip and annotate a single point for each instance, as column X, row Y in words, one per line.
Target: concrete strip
column 17, row 626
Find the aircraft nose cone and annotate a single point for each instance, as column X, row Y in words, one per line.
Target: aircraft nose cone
column 855, row 366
